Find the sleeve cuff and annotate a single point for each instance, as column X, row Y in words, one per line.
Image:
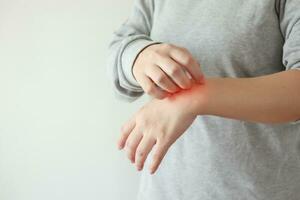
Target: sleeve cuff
column 293, row 61
column 295, row 122
column 130, row 54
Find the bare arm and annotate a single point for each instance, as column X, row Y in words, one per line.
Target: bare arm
column 273, row 98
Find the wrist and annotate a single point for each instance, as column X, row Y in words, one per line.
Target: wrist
column 194, row 100
column 199, row 98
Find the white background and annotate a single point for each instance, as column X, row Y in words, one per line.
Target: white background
column 59, row 119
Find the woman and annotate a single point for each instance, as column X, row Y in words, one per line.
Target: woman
column 234, row 134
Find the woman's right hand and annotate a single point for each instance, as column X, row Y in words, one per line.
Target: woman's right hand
column 162, row 69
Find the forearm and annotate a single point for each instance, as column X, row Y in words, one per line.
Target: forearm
column 273, row 98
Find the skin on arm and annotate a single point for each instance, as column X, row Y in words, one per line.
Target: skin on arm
column 273, row 98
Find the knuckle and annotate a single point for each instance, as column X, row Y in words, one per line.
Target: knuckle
column 129, row 145
column 153, row 54
column 167, row 45
column 160, row 78
column 175, row 69
column 150, row 88
column 185, row 50
column 164, row 141
column 140, row 153
column 160, row 57
column 186, row 59
column 142, row 124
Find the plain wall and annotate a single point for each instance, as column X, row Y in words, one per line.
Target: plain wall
column 59, row 119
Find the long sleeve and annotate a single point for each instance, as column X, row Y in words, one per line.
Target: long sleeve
column 289, row 17
column 127, row 42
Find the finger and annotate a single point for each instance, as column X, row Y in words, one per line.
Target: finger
column 132, row 143
column 175, row 71
column 152, row 89
column 185, row 58
column 160, row 151
column 143, row 150
column 161, row 79
column 125, row 131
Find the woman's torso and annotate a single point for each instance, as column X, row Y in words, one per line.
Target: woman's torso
column 220, row 158
column 228, row 38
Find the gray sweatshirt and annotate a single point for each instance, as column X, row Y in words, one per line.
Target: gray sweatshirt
column 218, row 158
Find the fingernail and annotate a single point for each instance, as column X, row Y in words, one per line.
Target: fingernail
column 151, row 171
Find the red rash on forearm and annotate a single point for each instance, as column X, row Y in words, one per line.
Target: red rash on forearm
column 272, row 98
column 186, row 93
column 191, row 98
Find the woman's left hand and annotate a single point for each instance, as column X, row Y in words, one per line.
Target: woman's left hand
column 160, row 122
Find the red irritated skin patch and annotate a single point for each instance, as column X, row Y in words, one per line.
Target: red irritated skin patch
column 172, row 96
column 187, row 93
